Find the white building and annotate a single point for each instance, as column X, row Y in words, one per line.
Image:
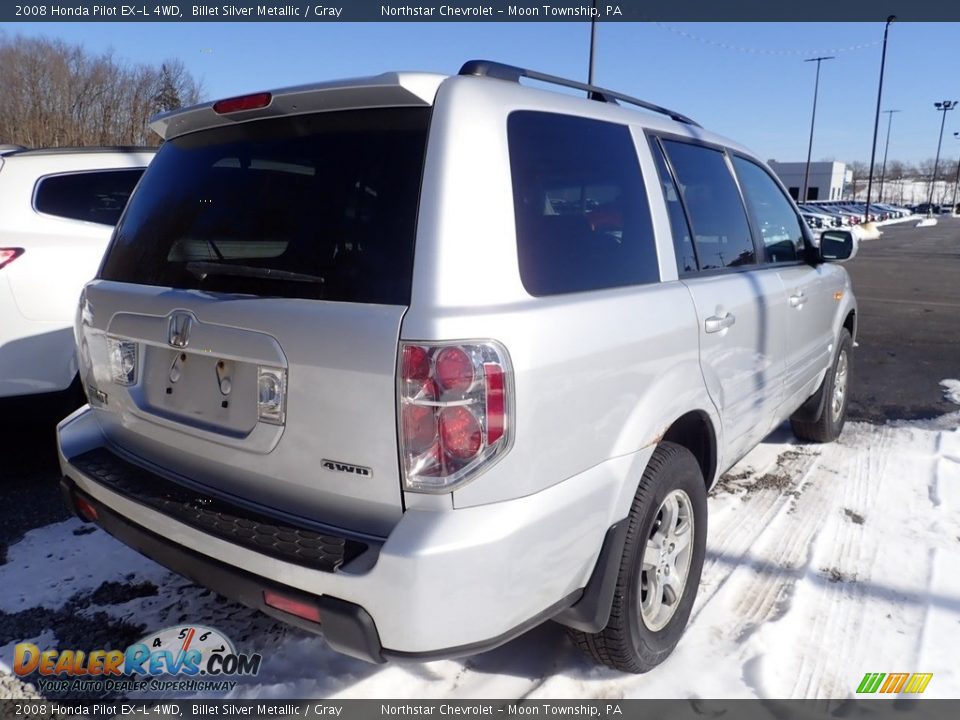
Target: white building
column 825, row 182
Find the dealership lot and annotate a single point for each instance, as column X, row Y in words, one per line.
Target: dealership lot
column 822, row 560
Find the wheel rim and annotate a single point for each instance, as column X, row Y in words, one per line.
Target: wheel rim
column 666, row 560
column 840, row 386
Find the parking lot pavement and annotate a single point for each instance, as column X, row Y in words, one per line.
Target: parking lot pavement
column 29, row 477
column 908, row 287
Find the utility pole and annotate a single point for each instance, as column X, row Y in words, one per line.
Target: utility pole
column 883, row 170
column 876, row 119
column 813, row 118
column 593, row 42
column 956, row 181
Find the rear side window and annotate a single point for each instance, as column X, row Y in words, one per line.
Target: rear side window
column 97, row 197
column 319, row 206
column 582, row 218
column 720, row 229
column 680, row 228
column 772, row 213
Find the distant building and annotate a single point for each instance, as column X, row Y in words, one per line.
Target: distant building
column 826, row 180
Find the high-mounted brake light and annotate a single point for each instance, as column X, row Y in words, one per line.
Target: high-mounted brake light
column 8, row 255
column 454, row 408
column 243, row 102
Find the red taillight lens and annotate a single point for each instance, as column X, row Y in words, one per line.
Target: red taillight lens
column 416, row 363
column 8, row 255
column 496, row 402
column 85, row 509
column 453, row 411
column 454, row 369
column 460, row 433
column 419, row 427
column 244, row 102
column 292, row 606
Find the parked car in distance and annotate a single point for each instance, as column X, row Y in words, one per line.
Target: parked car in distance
column 58, row 207
column 420, row 362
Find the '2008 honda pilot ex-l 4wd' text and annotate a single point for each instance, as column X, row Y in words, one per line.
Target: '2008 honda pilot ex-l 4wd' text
column 420, row 362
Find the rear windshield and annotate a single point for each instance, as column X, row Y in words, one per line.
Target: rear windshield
column 319, row 206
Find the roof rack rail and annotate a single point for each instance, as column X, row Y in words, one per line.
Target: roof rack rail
column 501, row 71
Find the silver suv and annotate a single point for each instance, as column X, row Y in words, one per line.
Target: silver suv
column 420, row 362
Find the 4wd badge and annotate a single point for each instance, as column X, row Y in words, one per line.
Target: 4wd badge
column 338, row 466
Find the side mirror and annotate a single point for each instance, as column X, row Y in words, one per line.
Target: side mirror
column 837, row 246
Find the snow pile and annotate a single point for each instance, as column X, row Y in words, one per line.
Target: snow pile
column 951, row 390
column 823, row 563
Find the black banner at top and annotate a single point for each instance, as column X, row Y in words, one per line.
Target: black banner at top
column 172, row 11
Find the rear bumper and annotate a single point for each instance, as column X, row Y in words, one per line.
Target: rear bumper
column 444, row 583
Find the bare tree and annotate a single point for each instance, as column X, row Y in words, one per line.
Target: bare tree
column 55, row 94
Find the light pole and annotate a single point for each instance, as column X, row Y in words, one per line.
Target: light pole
column 593, row 42
column 886, row 147
column 813, row 117
column 876, row 119
column 956, row 181
column 942, row 107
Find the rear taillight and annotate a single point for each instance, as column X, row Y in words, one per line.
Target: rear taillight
column 454, row 411
column 123, row 356
column 8, row 255
column 244, row 102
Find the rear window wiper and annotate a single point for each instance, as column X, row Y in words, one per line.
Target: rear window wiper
column 203, row 269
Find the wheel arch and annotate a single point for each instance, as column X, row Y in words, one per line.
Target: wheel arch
column 695, row 431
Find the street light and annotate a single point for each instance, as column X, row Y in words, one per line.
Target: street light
column 876, row 119
column 813, row 117
column 942, row 107
column 886, row 147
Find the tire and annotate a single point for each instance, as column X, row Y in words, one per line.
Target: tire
column 834, row 393
column 636, row 640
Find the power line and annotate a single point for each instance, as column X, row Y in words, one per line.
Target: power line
column 762, row 51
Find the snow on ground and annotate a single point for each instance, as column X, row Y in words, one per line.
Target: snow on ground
column 951, row 390
column 823, row 563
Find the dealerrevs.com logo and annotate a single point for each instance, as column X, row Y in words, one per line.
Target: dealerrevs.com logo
column 184, row 658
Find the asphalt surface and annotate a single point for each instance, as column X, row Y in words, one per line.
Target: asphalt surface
column 907, row 284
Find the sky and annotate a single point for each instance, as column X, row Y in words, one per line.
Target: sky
column 744, row 80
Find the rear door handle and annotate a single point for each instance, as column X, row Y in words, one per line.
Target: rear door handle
column 716, row 324
column 798, row 299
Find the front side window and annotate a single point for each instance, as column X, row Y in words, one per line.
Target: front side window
column 720, row 229
column 582, row 217
column 97, row 196
column 772, row 213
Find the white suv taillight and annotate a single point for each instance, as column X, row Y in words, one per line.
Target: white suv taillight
column 455, row 406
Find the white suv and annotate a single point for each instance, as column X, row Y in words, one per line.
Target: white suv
column 58, row 207
column 419, row 362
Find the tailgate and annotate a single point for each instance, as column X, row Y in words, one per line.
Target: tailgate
column 193, row 410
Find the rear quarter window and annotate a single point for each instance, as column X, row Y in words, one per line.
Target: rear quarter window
column 581, row 211
column 96, row 196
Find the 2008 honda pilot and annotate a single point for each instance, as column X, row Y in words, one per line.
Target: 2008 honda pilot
column 420, row 362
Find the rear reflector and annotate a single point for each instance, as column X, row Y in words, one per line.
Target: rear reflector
column 8, row 255
column 289, row 605
column 85, row 509
column 244, row 102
